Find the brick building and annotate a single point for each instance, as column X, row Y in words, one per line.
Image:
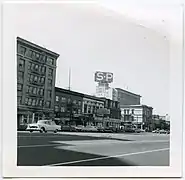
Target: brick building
column 138, row 115
column 36, row 71
column 127, row 98
column 68, row 106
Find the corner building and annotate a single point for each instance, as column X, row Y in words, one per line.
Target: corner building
column 36, row 73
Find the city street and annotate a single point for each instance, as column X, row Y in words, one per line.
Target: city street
column 92, row 149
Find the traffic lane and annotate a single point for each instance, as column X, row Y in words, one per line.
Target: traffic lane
column 25, row 139
column 41, row 156
column 159, row 158
column 156, row 158
column 42, row 139
column 111, row 149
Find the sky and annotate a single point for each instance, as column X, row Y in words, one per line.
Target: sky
column 91, row 38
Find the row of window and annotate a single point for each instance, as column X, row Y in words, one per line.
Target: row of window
column 91, row 109
column 36, row 67
column 90, row 102
column 35, row 90
column 35, row 55
column 127, row 111
column 69, row 100
column 64, row 109
column 36, row 79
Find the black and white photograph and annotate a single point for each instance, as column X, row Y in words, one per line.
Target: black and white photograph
column 92, row 84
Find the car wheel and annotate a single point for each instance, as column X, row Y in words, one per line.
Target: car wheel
column 31, row 131
column 42, row 130
column 56, row 131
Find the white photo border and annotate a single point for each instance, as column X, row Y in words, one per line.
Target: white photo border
column 10, row 169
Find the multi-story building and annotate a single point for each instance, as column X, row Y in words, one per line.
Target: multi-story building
column 127, row 98
column 68, row 106
column 138, row 115
column 36, row 71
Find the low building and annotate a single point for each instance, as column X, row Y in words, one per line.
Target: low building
column 138, row 115
column 160, row 122
column 68, row 106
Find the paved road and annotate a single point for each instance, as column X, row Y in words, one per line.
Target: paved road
column 92, row 149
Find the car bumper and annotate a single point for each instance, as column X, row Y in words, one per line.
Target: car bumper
column 33, row 129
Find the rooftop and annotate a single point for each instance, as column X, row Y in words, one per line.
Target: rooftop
column 119, row 89
column 68, row 91
column 139, row 105
column 37, row 46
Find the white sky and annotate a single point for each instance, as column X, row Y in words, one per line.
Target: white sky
column 90, row 38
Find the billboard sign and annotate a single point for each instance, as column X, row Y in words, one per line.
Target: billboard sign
column 103, row 77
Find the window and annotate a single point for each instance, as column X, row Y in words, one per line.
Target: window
column 31, row 78
column 35, row 79
column 79, row 103
column 21, row 63
column 34, row 90
column 29, row 65
column 43, row 69
column 26, row 101
column 41, row 92
column 42, row 58
column 74, row 101
column 132, row 111
column 22, row 50
column 37, row 56
column 48, row 104
column 42, row 80
column 27, row 89
column 36, row 67
column 33, row 55
column 40, row 103
column 32, row 66
column 33, row 102
column 49, row 94
column 63, row 99
column 85, row 108
column 49, row 82
column 19, row 87
column 50, row 72
column 30, row 89
column 20, row 76
column 125, row 111
column 69, row 100
column 39, row 70
column 19, row 100
column 62, row 109
column 57, row 98
column 29, row 53
column 37, row 102
column 29, row 102
column 50, row 61
column 56, row 108
column 79, row 111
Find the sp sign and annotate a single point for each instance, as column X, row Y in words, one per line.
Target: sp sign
column 103, row 77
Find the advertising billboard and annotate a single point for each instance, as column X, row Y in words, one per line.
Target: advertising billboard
column 103, row 77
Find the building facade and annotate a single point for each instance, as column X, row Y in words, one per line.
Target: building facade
column 68, row 106
column 36, row 72
column 139, row 116
column 127, row 98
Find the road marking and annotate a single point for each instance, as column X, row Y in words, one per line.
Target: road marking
column 39, row 145
column 102, row 158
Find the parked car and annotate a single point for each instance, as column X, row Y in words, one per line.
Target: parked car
column 79, row 128
column 43, row 126
column 130, row 130
column 101, row 129
column 162, row 131
column 90, row 129
column 155, row 131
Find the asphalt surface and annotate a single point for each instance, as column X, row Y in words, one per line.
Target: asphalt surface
column 92, row 149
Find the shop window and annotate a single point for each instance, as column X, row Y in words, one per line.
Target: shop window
column 19, row 87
